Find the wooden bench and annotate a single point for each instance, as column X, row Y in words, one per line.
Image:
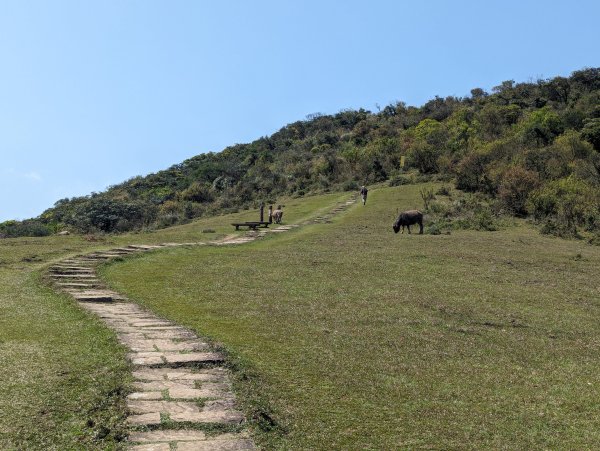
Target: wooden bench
column 250, row 224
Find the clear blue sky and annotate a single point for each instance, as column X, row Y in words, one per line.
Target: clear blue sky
column 95, row 92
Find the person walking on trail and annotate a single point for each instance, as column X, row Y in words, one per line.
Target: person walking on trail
column 363, row 194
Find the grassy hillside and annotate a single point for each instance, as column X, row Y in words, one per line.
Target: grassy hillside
column 533, row 149
column 64, row 375
column 346, row 336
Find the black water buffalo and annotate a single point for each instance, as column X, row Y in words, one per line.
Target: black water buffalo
column 408, row 218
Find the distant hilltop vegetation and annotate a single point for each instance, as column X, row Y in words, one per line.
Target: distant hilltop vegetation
column 532, row 149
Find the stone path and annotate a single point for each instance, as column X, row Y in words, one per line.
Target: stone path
column 182, row 388
column 326, row 218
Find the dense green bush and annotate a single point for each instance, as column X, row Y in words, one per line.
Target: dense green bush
column 565, row 205
column 32, row 227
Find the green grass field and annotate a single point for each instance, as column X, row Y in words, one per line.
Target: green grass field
column 341, row 336
column 346, row 336
column 63, row 375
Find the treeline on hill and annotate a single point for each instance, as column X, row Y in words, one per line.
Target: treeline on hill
column 532, row 149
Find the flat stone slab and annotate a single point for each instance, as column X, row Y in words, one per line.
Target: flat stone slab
column 94, row 298
column 221, row 416
column 168, row 334
column 166, row 436
column 89, row 293
column 75, row 285
column 178, row 390
column 216, row 445
column 155, row 323
column 186, row 388
column 162, row 385
column 57, row 271
column 145, row 396
column 170, row 407
column 193, row 357
column 146, row 419
column 146, row 361
column 73, row 276
column 152, row 447
column 170, row 345
column 174, row 358
column 188, row 393
column 217, row 375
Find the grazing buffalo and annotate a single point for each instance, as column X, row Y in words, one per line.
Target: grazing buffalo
column 408, row 218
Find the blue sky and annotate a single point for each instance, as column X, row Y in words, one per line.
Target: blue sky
column 95, row 92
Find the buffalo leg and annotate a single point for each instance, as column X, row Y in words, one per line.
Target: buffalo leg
column 421, row 228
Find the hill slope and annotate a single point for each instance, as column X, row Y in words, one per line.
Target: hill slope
column 532, row 148
column 346, row 336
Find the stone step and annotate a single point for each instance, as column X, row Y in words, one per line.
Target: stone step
column 150, row 345
column 174, row 359
column 94, row 298
column 178, row 393
column 95, row 295
column 216, row 445
column 221, row 412
column 203, row 389
column 109, row 255
column 71, row 271
column 141, row 247
column 216, row 375
column 76, row 285
column 79, row 261
column 72, row 267
column 196, row 440
column 98, row 256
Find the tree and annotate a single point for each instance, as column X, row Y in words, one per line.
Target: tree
column 591, row 132
column 478, row 93
column 540, row 127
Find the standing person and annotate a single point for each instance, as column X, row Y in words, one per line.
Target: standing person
column 278, row 214
column 363, row 194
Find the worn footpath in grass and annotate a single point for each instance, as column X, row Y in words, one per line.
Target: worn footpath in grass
column 347, row 336
column 63, row 374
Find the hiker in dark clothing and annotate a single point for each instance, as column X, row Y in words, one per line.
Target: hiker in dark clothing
column 363, row 194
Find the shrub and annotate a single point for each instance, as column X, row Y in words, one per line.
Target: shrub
column 471, row 172
column 566, row 204
column 517, row 182
column 443, row 191
column 350, row 185
column 30, row 227
column 427, row 196
column 468, row 211
column 198, row 192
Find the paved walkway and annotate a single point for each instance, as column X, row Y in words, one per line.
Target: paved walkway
column 181, row 385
